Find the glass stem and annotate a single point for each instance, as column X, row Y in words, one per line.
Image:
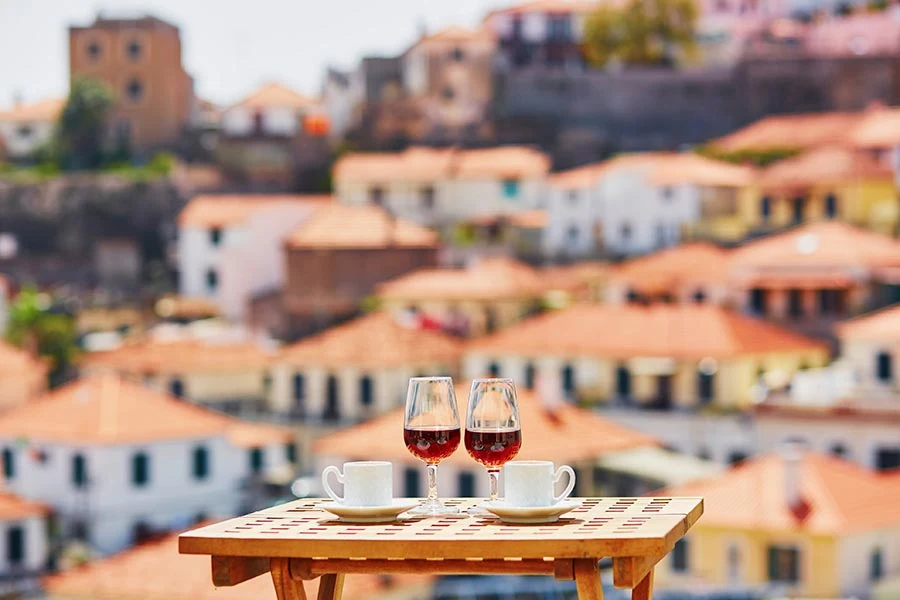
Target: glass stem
column 494, row 477
column 432, row 483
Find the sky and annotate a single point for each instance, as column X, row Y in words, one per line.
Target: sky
column 230, row 46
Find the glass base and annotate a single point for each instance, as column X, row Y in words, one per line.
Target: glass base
column 434, row 508
column 479, row 511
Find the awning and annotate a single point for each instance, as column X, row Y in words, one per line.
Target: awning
column 657, row 464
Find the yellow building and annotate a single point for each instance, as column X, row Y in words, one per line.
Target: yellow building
column 797, row 525
column 490, row 295
column 661, row 356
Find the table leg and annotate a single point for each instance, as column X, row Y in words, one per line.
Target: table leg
column 286, row 588
column 331, row 586
column 644, row 589
column 587, row 579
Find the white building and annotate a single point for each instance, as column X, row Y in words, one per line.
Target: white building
column 272, row 110
column 231, row 247
column 442, row 186
column 26, row 128
column 635, row 203
column 24, row 547
column 342, row 93
column 117, row 461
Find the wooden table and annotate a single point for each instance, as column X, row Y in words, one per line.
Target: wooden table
column 299, row 541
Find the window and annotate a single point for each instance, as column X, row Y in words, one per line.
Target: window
column 705, row 387
column 9, row 463
column 466, row 484
column 876, row 565
column 215, row 236
column 427, row 198
column 529, row 376
column 884, row 367
column 140, row 470
column 573, row 197
column 134, row 50
column 141, row 531
column 840, row 450
column 365, row 391
column 176, row 386
column 94, row 51
column 490, row 320
column 15, row 545
column 831, row 302
column 212, row 280
column 734, row 563
column 412, row 480
column 568, row 379
column 494, row 369
column 376, row 196
column 559, row 28
column 680, row 556
column 795, row 304
column 572, row 234
column 510, row 188
column 516, row 27
column 256, row 460
column 79, row 530
column 448, row 93
column 457, row 55
column 200, row 463
column 24, row 131
column 798, row 208
column 831, row 206
column 332, row 406
column 784, row 564
column 699, row 297
column 134, row 90
column 736, row 458
column 79, row 471
column 660, row 235
column 625, row 232
column 765, row 208
column 759, row 300
column 623, row 381
column 290, row 452
column 887, row 459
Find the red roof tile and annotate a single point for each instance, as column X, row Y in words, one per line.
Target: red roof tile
column 45, row 110
column 230, row 210
column 14, row 508
column 668, row 270
column 342, row 226
column 881, row 325
column 276, row 95
column 823, row 166
column 487, row 279
column 180, row 356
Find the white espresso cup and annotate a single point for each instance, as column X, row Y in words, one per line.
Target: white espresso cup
column 366, row 483
column 531, row 483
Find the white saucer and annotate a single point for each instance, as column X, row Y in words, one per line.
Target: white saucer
column 530, row 514
column 370, row 514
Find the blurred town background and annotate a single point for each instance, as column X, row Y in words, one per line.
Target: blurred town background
column 672, row 222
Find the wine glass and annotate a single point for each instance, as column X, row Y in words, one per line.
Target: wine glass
column 493, row 432
column 431, row 432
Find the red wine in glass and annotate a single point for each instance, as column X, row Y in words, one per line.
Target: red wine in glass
column 431, row 444
column 492, row 447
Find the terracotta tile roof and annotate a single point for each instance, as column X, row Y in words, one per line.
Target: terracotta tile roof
column 575, row 276
column 276, row 95
column 854, row 35
column 840, row 497
column 549, row 6
column 455, row 33
column 818, row 245
column 661, row 330
column 152, row 356
column 186, row 308
column 377, row 340
column 880, row 325
column 567, row 434
column 824, row 166
column 526, row 219
column 15, row 361
column 343, row 226
column 878, row 129
column 420, row 164
column 45, row 110
column 248, row 434
column 696, row 263
column 804, row 131
column 109, row 410
column 14, row 508
column 487, row 279
column 155, row 571
column 577, row 178
column 230, row 210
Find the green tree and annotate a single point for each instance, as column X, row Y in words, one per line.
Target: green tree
column 35, row 324
column 82, row 128
column 642, row 32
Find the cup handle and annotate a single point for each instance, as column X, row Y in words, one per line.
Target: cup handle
column 327, row 487
column 565, row 469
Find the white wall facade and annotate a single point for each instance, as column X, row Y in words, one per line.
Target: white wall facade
column 854, row 560
column 112, row 506
column 240, row 121
column 23, row 138
column 639, row 217
column 35, row 538
column 862, row 357
column 197, row 255
column 574, row 216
